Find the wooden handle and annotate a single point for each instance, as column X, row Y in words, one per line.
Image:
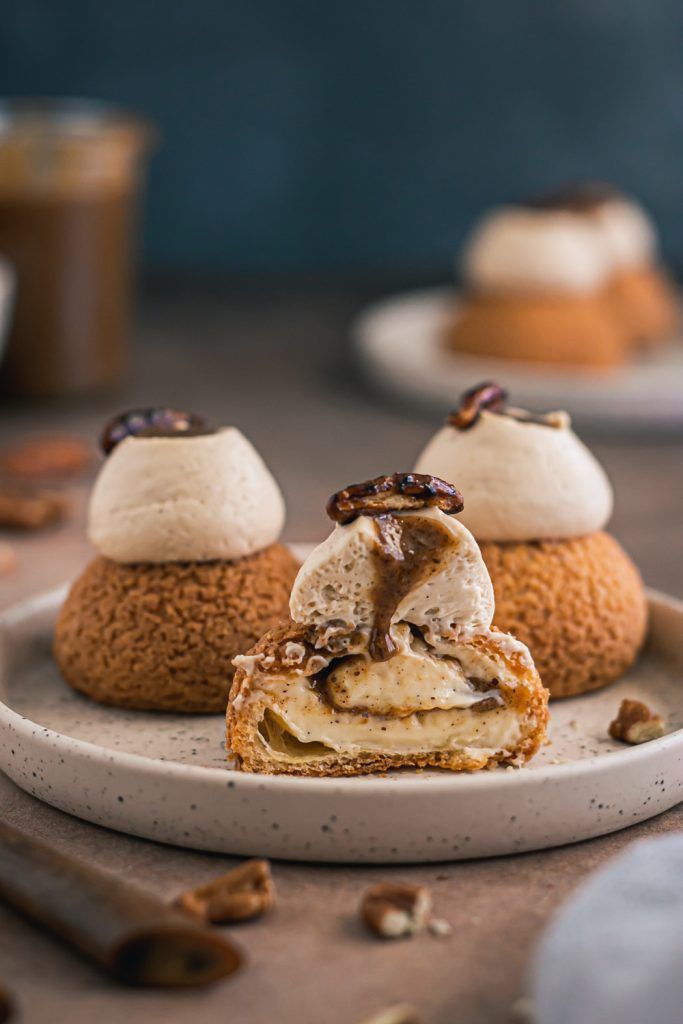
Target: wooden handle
column 129, row 933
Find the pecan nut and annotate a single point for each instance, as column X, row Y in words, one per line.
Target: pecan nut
column 487, row 704
column 240, row 895
column 636, row 723
column 392, row 910
column 8, row 558
column 484, row 396
column 25, row 509
column 152, row 422
column 41, row 458
column 398, row 492
column 402, row 1013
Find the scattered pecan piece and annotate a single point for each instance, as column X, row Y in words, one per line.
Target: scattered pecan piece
column 522, row 1011
column 41, row 458
column 402, row 1013
column 156, row 421
column 241, row 894
column 8, row 558
column 397, row 492
column 392, row 910
column 484, row 396
column 22, row 509
column 635, row 723
column 440, row 927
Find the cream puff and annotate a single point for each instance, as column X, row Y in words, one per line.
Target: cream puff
column 189, row 571
column 535, row 281
column 538, row 502
column 389, row 659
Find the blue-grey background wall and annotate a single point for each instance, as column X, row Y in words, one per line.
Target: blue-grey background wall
column 304, row 135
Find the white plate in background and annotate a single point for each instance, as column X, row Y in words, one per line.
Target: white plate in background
column 399, row 344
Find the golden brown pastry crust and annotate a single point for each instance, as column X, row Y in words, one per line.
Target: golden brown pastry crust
column 577, row 604
column 644, row 302
column 244, row 714
column 556, row 329
column 163, row 636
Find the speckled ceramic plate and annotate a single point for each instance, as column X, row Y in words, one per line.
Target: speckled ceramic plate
column 165, row 776
column 399, row 343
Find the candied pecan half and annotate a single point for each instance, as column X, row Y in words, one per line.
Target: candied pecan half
column 484, row 396
column 398, row 492
column 45, row 457
column 22, row 508
column 636, row 723
column 8, row 559
column 153, row 422
column 400, row 1013
column 392, row 910
column 243, row 893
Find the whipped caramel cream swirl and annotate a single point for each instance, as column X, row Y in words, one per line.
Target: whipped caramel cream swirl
column 184, row 498
column 524, row 478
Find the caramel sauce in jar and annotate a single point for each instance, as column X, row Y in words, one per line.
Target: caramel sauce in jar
column 70, row 175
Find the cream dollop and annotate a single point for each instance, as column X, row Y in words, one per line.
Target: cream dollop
column 523, row 249
column 177, row 499
column 335, row 589
column 521, row 480
column 627, row 232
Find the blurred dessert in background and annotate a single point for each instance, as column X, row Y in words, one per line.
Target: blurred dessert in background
column 189, row 573
column 538, row 502
column 389, row 659
column 570, row 278
column 640, row 290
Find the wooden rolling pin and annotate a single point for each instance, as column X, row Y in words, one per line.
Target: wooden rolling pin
column 132, row 935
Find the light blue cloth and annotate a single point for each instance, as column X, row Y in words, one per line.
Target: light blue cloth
column 614, row 953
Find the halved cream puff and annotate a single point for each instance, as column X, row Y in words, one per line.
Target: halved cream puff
column 389, row 659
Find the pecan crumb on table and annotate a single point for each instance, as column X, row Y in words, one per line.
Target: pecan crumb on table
column 392, row 910
column 242, row 894
column 39, row 458
column 26, row 509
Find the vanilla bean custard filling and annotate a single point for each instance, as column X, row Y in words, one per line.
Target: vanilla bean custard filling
column 414, row 701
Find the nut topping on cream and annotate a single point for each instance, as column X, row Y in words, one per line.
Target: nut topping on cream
column 152, row 422
column 482, row 396
column 398, row 492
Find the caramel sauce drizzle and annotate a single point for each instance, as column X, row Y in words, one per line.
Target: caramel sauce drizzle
column 408, row 549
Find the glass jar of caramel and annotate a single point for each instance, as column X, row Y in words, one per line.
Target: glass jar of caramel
column 70, row 177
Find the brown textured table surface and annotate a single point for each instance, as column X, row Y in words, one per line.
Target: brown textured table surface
column 274, row 361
